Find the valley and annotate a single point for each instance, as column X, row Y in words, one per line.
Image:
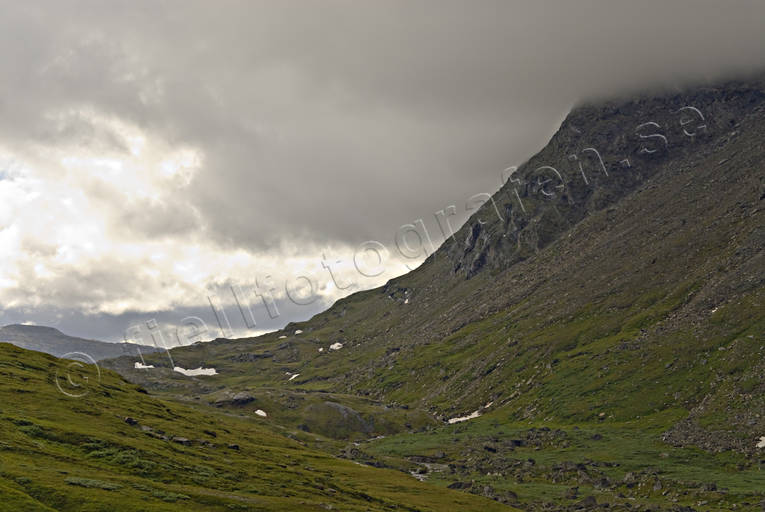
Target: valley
column 598, row 345
column 605, row 341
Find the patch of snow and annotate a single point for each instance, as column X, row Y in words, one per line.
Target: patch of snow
column 196, row 371
column 470, row 416
column 406, row 301
column 295, row 376
column 336, row 346
column 418, row 476
column 139, row 366
column 260, row 412
column 298, row 332
column 761, row 444
column 321, row 349
column 488, row 405
column 282, row 337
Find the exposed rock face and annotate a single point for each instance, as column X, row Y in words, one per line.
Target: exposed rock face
column 600, row 154
column 460, row 485
column 249, row 358
column 239, row 399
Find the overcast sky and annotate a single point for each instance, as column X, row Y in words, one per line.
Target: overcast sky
column 154, row 154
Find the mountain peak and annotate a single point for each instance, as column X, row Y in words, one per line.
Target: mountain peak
column 601, row 153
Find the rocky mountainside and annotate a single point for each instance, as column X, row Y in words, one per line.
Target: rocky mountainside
column 611, row 290
column 600, row 154
column 54, row 342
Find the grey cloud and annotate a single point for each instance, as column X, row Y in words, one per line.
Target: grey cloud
column 156, row 218
column 343, row 120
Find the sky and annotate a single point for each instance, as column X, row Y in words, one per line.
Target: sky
column 168, row 165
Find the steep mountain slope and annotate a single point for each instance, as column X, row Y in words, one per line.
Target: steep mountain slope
column 111, row 447
column 54, row 342
column 622, row 296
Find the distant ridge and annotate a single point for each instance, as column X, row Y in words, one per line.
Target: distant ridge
column 52, row 341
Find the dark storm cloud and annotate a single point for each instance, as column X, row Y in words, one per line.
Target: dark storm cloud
column 343, row 120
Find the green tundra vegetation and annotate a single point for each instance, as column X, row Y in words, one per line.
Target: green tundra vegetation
column 601, row 344
column 117, row 448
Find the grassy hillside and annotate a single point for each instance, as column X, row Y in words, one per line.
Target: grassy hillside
column 116, row 448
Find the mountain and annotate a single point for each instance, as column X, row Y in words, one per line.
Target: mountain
column 54, row 342
column 593, row 333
